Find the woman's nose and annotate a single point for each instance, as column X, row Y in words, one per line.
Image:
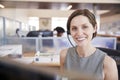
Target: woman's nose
column 80, row 31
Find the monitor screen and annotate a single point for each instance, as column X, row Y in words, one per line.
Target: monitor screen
column 105, row 42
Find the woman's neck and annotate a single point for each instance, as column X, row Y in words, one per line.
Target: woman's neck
column 85, row 51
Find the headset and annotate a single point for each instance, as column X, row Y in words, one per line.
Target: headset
column 68, row 33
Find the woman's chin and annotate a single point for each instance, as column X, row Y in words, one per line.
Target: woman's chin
column 81, row 43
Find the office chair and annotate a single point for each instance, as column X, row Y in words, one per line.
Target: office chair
column 115, row 54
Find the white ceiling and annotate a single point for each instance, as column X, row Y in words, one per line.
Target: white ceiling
column 73, row 1
column 104, row 7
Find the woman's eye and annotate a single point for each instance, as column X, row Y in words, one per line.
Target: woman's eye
column 74, row 29
column 84, row 27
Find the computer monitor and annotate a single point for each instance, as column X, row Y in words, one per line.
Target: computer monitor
column 47, row 33
column 104, row 42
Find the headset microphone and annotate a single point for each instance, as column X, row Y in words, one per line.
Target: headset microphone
column 68, row 33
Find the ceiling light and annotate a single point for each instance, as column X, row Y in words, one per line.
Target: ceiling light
column 69, row 7
column 2, row 6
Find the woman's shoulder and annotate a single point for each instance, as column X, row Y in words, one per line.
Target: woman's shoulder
column 109, row 64
column 110, row 68
column 63, row 52
column 109, row 60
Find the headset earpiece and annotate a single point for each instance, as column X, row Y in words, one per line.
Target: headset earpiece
column 68, row 32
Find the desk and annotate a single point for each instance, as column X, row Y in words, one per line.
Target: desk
column 28, row 58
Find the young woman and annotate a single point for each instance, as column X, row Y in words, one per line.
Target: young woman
column 84, row 57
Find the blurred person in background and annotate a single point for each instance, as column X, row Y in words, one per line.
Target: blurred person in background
column 60, row 31
column 19, row 33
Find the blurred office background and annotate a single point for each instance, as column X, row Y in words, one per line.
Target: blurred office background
column 34, row 15
column 19, row 17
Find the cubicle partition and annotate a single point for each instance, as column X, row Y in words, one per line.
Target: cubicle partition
column 28, row 44
column 55, row 44
column 41, row 44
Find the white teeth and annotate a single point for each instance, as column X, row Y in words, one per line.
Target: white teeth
column 80, row 38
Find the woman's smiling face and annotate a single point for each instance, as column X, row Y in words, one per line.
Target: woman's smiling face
column 81, row 30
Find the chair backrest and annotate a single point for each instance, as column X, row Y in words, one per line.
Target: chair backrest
column 115, row 54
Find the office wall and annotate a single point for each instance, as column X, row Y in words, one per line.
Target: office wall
column 111, row 23
column 16, row 14
column 110, row 18
column 1, row 28
column 23, row 14
column 49, row 13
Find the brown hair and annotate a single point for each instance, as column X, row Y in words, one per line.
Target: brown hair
column 84, row 12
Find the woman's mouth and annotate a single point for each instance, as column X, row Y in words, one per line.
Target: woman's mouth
column 80, row 38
